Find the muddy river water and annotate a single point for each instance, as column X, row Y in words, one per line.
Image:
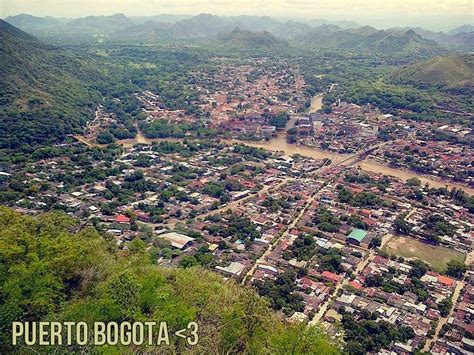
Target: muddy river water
column 279, row 144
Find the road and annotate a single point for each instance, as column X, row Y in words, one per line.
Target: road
column 292, row 225
column 347, row 162
column 85, row 141
column 444, row 320
column 318, row 316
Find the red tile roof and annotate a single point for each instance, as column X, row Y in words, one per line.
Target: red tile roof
column 120, row 218
column 445, row 280
column 356, row 285
column 330, row 276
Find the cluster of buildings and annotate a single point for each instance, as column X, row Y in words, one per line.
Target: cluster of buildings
column 244, row 98
column 389, row 289
column 346, row 129
column 154, row 109
column 457, row 333
column 440, row 159
column 254, row 216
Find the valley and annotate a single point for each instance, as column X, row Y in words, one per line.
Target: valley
column 292, row 186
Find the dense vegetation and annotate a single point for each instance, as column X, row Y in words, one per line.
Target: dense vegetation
column 370, row 336
column 281, row 293
column 46, row 93
column 48, row 272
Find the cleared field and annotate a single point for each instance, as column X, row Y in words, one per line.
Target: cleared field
column 437, row 257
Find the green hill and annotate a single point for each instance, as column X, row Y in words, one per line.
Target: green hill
column 44, row 93
column 369, row 39
column 50, row 273
column 239, row 40
column 454, row 73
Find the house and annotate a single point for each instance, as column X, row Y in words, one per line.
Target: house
column 177, row 240
column 120, row 218
column 356, row 236
column 233, row 269
column 331, row 276
column 447, row 281
column 144, row 217
column 356, row 285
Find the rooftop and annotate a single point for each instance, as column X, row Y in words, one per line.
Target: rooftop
column 177, row 240
column 357, row 234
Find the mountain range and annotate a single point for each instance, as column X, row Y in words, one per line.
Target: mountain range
column 347, row 35
column 369, row 39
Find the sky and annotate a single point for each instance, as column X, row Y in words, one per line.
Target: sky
column 430, row 14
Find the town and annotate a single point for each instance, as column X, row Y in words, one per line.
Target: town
column 324, row 242
column 261, row 184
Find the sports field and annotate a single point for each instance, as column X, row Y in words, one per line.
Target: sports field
column 436, row 256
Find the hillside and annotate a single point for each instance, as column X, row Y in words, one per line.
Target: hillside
column 451, row 39
column 462, row 29
column 44, row 94
column 50, row 273
column 369, row 39
column 455, row 73
column 247, row 41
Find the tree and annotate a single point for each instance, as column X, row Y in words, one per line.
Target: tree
column 105, row 137
column 188, row 261
column 418, row 268
column 136, row 246
column 375, row 243
column 401, row 226
column 413, row 182
column 456, row 269
column 445, row 306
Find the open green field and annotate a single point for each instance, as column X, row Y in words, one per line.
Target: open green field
column 437, row 257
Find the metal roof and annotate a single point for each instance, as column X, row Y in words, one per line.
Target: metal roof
column 357, row 234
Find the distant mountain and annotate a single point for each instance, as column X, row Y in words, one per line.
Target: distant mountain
column 44, row 92
column 151, row 29
column 206, row 26
column 165, row 18
column 452, row 73
column 316, row 33
column 463, row 40
column 33, row 23
column 71, row 31
column 369, row 39
column 344, row 24
column 460, row 29
column 99, row 24
column 249, row 41
column 290, row 30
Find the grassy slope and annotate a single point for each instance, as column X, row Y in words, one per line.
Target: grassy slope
column 450, row 72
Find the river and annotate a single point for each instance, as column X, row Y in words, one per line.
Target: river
column 280, row 144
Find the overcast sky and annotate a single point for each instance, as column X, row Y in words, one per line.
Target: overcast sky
column 432, row 14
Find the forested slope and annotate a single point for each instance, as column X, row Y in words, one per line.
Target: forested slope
column 50, row 273
column 45, row 93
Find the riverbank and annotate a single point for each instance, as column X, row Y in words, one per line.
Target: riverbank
column 279, row 144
